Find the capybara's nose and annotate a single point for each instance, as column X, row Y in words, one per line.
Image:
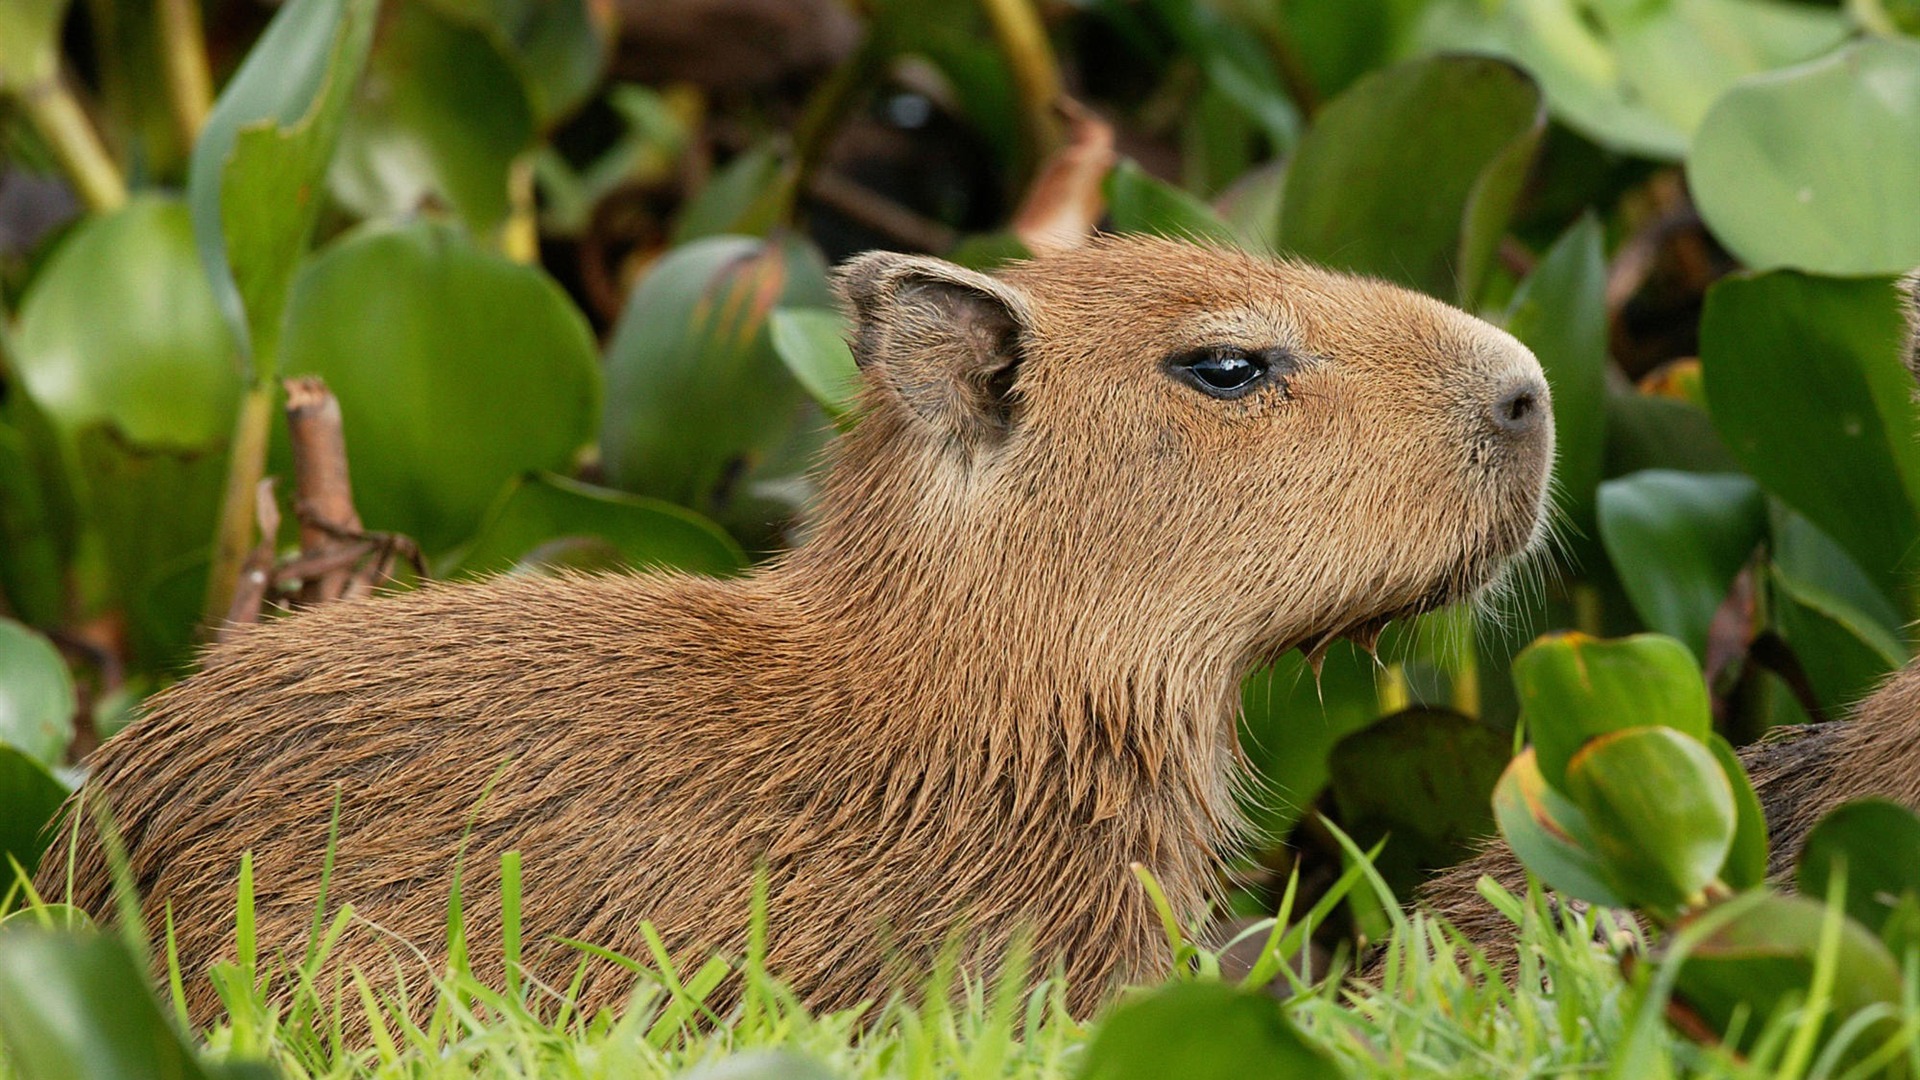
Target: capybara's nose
column 1519, row 409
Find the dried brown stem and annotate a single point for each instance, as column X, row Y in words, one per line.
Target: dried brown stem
column 1067, row 197
column 323, row 491
column 256, row 574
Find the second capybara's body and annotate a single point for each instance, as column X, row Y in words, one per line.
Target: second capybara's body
column 1083, row 499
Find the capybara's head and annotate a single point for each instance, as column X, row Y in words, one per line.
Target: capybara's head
column 1164, row 442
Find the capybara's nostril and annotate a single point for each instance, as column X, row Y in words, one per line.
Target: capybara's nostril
column 1520, row 408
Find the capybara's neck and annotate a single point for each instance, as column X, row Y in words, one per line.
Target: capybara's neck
column 1084, row 699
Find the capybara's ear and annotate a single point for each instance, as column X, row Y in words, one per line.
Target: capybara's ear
column 1910, row 306
column 944, row 341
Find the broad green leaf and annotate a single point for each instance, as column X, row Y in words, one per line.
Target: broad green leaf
column 1762, row 958
column 1560, row 312
column 456, row 371
column 1746, row 865
column 161, row 368
column 440, row 117
column 75, row 1004
column 1573, row 688
column 1236, row 66
column 538, row 510
column 812, row 342
column 1878, row 843
column 1550, row 835
column 1251, row 206
column 1290, row 720
column 1412, row 172
column 1844, row 631
column 1137, row 202
column 1637, row 77
column 1662, row 812
column 36, row 695
column 743, row 197
column 1813, row 167
column 1845, row 656
column 29, row 42
column 153, row 510
column 255, row 181
column 1677, row 540
column 35, row 535
column 1202, row 1031
column 1825, row 577
column 1806, row 386
column 29, row 797
column 1649, row 432
column 695, row 392
column 1424, row 778
column 558, row 48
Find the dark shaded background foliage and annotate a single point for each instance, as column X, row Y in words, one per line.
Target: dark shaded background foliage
column 564, row 264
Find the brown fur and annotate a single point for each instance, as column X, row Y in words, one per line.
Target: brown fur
column 1800, row 773
column 1004, row 667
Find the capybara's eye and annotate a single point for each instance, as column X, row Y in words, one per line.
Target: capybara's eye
column 1221, row 371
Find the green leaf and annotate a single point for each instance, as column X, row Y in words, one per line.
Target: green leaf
column 695, row 391
column 1423, row 776
column 254, row 185
column 457, row 371
column 29, row 42
column 1202, row 1031
column 1638, row 77
column 161, row 368
column 1845, row 632
column 1139, row 203
column 37, row 701
column 1677, row 540
column 29, row 798
column 1746, row 865
column 744, row 197
column 440, row 117
column 75, row 1004
column 1550, row 835
column 812, row 342
column 35, row 528
column 1645, row 431
column 153, row 510
column 1813, row 167
column 1412, row 172
column 1237, row 67
column 1573, row 688
column 1560, row 312
column 1662, row 812
column 1290, row 720
column 538, row 510
column 1878, row 843
column 1805, row 382
column 1762, row 959
column 556, row 47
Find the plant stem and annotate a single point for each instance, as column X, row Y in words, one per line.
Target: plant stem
column 1036, row 72
column 520, row 234
column 57, row 115
column 246, row 463
column 183, row 53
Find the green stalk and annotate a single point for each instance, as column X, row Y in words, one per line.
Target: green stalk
column 183, row 54
column 246, row 464
column 57, row 115
column 1036, row 71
